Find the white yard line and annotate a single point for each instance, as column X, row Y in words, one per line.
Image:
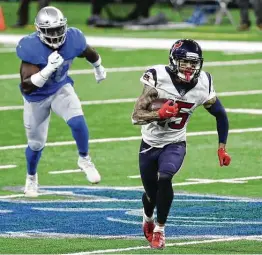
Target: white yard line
column 11, row 108
column 133, row 176
column 37, row 233
column 7, row 166
column 7, row 50
column 93, row 102
column 66, row 171
column 132, row 138
column 64, row 193
column 143, row 68
column 214, row 239
column 191, row 181
column 179, row 196
column 200, row 222
column 239, row 93
column 199, row 181
column 154, row 43
column 80, row 209
column 5, row 211
column 235, row 52
column 132, row 100
column 196, row 181
column 113, row 200
column 167, row 245
column 245, row 111
column 12, row 196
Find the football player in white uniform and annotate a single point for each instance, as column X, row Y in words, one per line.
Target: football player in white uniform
column 163, row 145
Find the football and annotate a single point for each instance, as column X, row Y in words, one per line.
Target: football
column 157, row 104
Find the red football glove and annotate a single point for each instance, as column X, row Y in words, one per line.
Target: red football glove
column 168, row 110
column 223, row 156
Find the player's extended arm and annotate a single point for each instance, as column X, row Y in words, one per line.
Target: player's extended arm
column 215, row 108
column 95, row 60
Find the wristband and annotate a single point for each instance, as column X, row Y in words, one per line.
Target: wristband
column 38, row 80
column 97, row 63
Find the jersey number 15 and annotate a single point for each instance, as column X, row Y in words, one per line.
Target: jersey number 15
column 181, row 118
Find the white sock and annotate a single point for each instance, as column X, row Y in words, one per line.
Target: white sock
column 148, row 219
column 159, row 229
column 31, row 176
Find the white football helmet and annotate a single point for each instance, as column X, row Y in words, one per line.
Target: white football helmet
column 51, row 26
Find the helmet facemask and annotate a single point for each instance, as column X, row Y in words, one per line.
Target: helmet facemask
column 187, row 68
column 52, row 36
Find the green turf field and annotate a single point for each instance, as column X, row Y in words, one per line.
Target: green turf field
column 215, row 210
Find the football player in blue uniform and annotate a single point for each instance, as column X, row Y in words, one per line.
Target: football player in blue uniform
column 46, row 57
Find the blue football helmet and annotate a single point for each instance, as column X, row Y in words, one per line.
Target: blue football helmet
column 186, row 60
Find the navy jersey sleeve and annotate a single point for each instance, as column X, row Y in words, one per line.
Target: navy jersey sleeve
column 79, row 40
column 27, row 51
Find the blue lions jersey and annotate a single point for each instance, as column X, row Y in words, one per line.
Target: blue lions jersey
column 32, row 50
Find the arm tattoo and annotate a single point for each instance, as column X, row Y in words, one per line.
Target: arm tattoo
column 210, row 102
column 140, row 114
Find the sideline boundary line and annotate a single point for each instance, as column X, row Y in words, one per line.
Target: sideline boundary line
column 130, row 138
column 144, row 68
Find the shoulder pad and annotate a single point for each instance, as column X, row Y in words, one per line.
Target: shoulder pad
column 210, row 91
column 78, row 40
column 149, row 77
column 30, row 49
column 209, row 80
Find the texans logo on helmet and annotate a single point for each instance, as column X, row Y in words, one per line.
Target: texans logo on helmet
column 177, row 45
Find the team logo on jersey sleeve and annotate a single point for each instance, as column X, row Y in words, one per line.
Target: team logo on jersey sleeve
column 146, row 76
column 149, row 78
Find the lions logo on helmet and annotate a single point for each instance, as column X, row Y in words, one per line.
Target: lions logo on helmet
column 185, row 59
column 51, row 26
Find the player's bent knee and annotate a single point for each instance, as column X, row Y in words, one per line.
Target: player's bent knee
column 36, row 145
column 167, row 176
column 168, row 170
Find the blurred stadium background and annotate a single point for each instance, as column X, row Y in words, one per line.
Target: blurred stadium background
column 215, row 210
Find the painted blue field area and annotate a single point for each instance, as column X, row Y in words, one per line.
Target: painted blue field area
column 110, row 212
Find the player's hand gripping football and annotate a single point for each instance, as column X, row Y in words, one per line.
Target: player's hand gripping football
column 55, row 60
column 223, row 156
column 100, row 73
column 168, row 110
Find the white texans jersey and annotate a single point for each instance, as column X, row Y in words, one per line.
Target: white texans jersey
column 173, row 130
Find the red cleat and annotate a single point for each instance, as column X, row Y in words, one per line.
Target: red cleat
column 158, row 241
column 148, row 228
